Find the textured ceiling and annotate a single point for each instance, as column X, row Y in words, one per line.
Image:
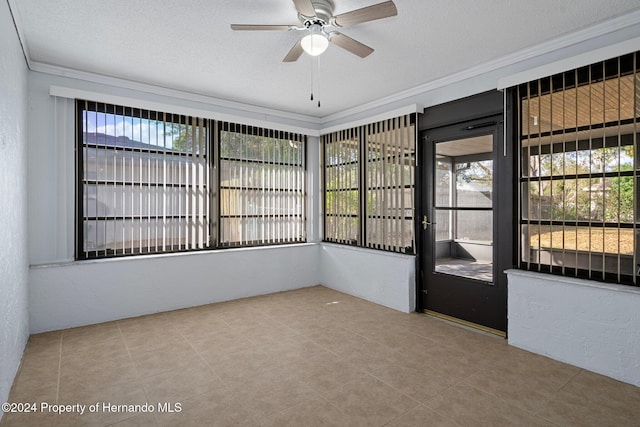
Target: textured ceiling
column 188, row 45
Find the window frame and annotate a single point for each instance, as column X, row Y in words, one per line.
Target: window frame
column 347, row 136
column 594, row 74
column 271, row 134
column 212, row 170
column 406, row 124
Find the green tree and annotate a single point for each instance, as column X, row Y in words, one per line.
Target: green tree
column 187, row 139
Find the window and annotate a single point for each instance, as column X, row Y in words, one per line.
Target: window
column 389, row 171
column 262, row 186
column 579, row 163
column 146, row 183
column 342, row 187
column 369, row 181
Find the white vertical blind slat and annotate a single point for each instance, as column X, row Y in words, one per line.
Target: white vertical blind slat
column 386, row 148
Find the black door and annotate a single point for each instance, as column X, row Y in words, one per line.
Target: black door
column 466, row 219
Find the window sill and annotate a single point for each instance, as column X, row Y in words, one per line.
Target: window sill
column 369, row 251
column 574, row 281
column 174, row 254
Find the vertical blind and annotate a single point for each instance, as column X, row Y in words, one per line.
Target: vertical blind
column 144, row 181
column 390, row 168
column 147, row 183
column 262, row 186
column 342, row 187
column 369, row 176
column 579, row 167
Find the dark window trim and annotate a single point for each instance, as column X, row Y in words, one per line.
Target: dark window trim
column 212, row 161
column 357, row 136
column 262, row 133
column 618, row 67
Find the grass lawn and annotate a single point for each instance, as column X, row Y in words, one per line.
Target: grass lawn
column 596, row 239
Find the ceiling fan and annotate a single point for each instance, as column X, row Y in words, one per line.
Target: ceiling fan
column 317, row 19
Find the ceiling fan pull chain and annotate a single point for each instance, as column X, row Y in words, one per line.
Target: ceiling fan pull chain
column 318, row 79
column 315, row 78
column 312, row 85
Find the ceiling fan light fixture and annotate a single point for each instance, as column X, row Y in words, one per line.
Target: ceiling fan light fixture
column 316, row 42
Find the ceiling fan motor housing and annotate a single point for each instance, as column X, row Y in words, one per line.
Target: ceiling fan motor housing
column 324, row 13
column 315, row 16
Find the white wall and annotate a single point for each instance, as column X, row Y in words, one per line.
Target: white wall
column 314, row 188
column 593, row 325
column 51, row 158
column 381, row 277
column 14, row 318
column 90, row 292
column 64, row 293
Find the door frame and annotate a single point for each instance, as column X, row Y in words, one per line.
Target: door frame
column 478, row 109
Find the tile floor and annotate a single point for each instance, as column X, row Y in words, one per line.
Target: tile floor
column 307, row 357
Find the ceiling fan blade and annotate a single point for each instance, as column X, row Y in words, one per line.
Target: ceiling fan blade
column 294, row 53
column 249, row 27
column 305, row 7
column 351, row 45
column 366, row 14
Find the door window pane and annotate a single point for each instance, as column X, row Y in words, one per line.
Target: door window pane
column 463, row 202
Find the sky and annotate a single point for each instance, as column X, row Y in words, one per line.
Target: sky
column 143, row 130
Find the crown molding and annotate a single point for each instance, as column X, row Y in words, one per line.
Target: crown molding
column 388, row 114
column 173, row 93
column 597, row 30
column 570, row 63
column 318, row 123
